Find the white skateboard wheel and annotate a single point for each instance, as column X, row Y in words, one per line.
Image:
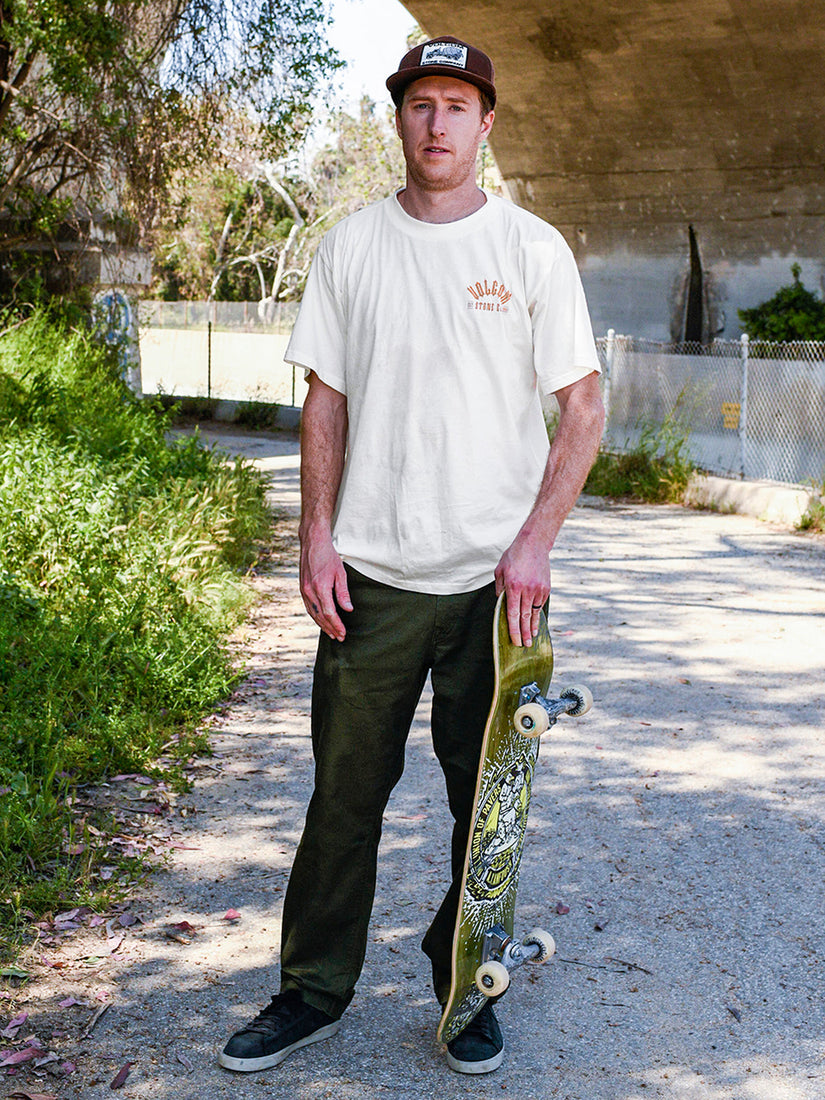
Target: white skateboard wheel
column 492, row 978
column 544, row 941
column 583, row 698
column 531, row 720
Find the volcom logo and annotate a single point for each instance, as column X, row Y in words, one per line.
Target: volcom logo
column 492, row 297
column 444, row 53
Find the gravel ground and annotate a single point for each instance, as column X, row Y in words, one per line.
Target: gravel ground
column 675, row 850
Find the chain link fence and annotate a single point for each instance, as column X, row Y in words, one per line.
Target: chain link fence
column 748, row 409
column 225, row 350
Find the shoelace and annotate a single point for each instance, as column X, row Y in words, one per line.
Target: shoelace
column 271, row 1017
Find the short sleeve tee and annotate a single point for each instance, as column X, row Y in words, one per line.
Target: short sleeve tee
column 441, row 337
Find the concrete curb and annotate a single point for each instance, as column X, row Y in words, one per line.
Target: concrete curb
column 765, row 500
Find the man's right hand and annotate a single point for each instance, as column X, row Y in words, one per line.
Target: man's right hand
column 324, row 585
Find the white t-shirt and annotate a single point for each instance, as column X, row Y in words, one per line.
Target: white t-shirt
column 439, row 335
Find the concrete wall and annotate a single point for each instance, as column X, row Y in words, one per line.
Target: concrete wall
column 623, row 124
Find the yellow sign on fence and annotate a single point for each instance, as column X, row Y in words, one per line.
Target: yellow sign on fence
column 730, row 414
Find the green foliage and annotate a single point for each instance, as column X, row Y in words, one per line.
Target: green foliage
column 814, row 517
column 793, row 313
column 656, row 470
column 243, row 232
column 121, row 557
column 102, row 104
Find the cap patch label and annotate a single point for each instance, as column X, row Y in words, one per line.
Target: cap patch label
column 444, row 53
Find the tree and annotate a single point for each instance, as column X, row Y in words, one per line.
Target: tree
column 103, row 101
column 249, row 230
column 793, row 313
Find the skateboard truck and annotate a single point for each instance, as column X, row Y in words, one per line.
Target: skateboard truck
column 535, row 714
column 501, row 954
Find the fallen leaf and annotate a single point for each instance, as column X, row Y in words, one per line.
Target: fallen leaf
column 562, row 909
column 13, row 972
column 13, row 1026
column 46, row 1060
column 119, row 1079
column 19, row 1057
column 70, row 914
column 232, row 915
column 182, row 926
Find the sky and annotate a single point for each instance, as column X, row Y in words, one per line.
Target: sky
column 371, row 35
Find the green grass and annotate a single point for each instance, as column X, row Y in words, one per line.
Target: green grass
column 814, row 516
column 656, row 470
column 121, row 573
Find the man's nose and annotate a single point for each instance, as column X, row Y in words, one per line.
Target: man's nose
column 437, row 124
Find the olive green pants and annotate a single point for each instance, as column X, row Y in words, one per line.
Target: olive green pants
column 364, row 697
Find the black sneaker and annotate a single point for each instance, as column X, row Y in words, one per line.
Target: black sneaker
column 285, row 1025
column 479, row 1048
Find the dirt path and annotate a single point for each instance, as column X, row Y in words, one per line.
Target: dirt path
column 675, row 851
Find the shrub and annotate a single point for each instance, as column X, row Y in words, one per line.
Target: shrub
column 656, row 470
column 793, row 313
column 121, row 561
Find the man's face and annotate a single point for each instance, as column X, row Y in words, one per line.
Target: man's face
column 441, row 126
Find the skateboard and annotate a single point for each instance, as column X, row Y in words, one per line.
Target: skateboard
column 484, row 950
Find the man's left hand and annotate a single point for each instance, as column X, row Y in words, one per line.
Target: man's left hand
column 524, row 574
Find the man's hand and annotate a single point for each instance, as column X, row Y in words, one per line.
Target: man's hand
column 524, row 574
column 324, row 586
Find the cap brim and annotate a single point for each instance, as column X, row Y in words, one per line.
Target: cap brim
column 404, row 77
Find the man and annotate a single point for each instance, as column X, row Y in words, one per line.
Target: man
column 429, row 323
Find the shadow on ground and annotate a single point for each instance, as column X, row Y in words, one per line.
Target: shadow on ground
column 674, row 848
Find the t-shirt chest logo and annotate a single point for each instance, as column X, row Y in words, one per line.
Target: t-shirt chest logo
column 488, row 296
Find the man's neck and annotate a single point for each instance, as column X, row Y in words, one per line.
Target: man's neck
column 441, row 207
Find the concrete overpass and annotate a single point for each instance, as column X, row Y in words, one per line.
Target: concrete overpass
column 625, row 122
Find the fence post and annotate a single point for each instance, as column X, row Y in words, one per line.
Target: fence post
column 609, row 352
column 209, row 359
column 743, row 402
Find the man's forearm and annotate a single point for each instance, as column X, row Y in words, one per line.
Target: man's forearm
column 571, row 457
column 323, row 449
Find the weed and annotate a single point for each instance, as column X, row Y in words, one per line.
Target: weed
column 121, row 572
column 814, row 516
column 657, row 469
column 257, row 414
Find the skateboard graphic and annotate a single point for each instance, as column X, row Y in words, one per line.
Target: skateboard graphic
column 484, row 950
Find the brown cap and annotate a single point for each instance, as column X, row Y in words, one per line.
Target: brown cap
column 445, row 56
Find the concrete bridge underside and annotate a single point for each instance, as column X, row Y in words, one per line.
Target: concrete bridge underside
column 625, row 122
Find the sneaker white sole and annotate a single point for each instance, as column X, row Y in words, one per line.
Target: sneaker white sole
column 487, row 1066
column 267, row 1061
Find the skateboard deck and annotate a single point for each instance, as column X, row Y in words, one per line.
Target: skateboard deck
column 484, row 924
